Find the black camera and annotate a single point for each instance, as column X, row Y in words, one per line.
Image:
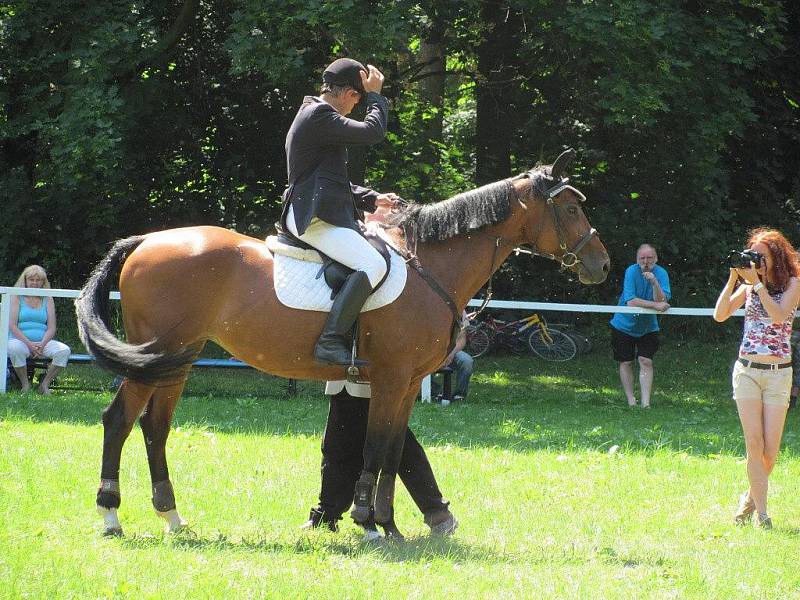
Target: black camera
column 741, row 259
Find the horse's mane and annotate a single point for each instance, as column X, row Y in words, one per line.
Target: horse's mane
column 464, row 212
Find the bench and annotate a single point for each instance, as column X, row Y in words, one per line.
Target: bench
column 42, row 364
column 447, row 383
column 216, row 363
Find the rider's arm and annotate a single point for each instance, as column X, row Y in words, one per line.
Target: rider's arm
column 364, row 197
column 333, row 128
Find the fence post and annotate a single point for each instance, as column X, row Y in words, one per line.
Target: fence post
column 5, row 312
column 425, row 389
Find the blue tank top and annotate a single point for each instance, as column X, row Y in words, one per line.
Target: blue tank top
column 32, row 321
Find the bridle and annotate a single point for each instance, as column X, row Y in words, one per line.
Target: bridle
column 569, row 257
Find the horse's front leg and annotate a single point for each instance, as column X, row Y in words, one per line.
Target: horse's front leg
column 156, row 422
column 384, row 496
column 118, row 420
column 379, row 433
column 383, row 447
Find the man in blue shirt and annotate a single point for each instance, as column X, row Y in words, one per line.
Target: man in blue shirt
column 646, row 285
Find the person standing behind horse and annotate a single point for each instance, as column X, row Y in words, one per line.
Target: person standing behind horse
column 762, row 374
column 32, row 327
column 646, row 285
column 343, row 461
column 321, row 205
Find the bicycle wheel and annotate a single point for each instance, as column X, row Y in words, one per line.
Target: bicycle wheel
column 478, row 341
column 562, row 347
column 582, row 343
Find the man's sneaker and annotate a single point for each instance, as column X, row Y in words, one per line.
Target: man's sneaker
column 441, row 523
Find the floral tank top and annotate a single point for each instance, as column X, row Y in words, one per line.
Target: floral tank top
column 761, row 335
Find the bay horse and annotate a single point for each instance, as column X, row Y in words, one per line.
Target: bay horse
column 183, row 287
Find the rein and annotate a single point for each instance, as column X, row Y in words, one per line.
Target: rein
column 409, row 254
column 415, row 264
column 569, row 257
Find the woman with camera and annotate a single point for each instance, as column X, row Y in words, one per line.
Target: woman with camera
column 765, row 278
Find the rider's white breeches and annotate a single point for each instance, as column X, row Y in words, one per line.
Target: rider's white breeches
column 342, row 245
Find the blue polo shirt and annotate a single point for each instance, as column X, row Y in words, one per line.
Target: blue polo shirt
column 636, row 286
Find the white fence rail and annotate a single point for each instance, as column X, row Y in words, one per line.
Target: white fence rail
column 7, row 292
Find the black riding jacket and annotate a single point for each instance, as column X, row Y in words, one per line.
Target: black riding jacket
column 316, row 158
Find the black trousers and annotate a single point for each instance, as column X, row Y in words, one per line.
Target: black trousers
column 343, row 460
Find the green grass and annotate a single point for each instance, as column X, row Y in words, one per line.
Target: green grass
column 545, row 509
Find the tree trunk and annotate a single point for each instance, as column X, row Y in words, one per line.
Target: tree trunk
column 496, row 89
column 431, row 78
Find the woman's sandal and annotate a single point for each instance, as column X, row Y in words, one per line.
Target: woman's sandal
column 746, row 509
column 763, row 522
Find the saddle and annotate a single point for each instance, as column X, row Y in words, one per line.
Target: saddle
column 303, row 274
column 335, row 273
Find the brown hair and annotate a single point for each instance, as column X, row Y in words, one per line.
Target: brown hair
column 785, row 262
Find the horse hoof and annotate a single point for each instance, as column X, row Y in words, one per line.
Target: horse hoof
column 371, row 535
column 360, row 514
column 391, row 532
column 111, row 526
column 445, row 528
column 182, row 526
column 175, row 523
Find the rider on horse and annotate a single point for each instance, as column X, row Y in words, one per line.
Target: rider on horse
column 321, row 205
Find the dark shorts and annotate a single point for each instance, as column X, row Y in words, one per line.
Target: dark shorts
column 627, row 347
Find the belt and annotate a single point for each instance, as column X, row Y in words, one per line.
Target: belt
column 765, row 366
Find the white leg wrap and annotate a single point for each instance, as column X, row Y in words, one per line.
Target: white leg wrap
column 110, row 521
column 174, row 521
column 371, row 535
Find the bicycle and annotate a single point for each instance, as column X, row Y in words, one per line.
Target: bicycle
column 529, row 334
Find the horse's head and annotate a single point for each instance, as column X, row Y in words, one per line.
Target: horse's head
column 555, row 224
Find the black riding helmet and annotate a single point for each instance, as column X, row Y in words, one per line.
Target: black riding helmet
column 345, row 72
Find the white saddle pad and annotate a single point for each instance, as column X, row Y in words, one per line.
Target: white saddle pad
column 297, row 287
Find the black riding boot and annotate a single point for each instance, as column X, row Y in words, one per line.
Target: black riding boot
column 333, row 347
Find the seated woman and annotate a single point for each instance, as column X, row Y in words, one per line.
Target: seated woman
column 32, row 327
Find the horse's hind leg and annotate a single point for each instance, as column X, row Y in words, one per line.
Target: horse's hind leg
column 156, row 422
column 118, row 419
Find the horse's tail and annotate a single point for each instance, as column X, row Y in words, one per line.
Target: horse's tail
column 142, row 362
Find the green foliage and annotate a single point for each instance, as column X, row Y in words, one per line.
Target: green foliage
column 685, row 116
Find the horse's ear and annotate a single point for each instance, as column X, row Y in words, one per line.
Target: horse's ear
column 562, row 163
